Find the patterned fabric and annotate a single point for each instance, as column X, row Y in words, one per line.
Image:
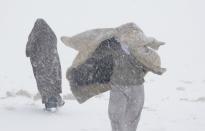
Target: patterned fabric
column 109, row 63
column 140, row 46
column 42, row 50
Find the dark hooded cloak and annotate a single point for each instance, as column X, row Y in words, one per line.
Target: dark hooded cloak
column 42, row 50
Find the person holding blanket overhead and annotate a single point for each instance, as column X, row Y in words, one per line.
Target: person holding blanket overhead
column 115, row 59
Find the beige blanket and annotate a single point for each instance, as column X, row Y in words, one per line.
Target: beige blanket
column 142, row 47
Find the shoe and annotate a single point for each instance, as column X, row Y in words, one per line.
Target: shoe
column 53, row 103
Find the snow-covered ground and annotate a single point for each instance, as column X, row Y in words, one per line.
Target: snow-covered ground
column 174, row 101
column 178, row 106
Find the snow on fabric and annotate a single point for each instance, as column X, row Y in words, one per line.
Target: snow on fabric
column 142, row 47
column 108, row 64
column 41, row 48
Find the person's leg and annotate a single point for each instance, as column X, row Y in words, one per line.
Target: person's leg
column 135, row 102
column 116, row 108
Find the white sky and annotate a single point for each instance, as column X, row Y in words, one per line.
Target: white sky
column 180, row 23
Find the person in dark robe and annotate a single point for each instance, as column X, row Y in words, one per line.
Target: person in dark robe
column 41, row 48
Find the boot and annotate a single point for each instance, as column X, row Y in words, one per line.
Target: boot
column 53, row 103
